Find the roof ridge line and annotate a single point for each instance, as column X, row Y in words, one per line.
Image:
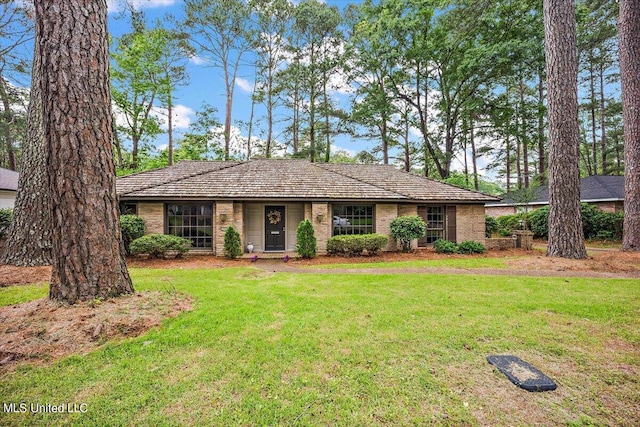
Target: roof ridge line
column 363, row 181
column 237, row 163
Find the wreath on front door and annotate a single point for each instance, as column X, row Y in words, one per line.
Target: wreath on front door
column 274, row 217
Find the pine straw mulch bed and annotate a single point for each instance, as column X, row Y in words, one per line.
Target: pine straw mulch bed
column 43, row 331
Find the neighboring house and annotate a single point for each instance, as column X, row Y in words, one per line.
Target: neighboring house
column 604, row 192
column 8, row 188
column 265, row 200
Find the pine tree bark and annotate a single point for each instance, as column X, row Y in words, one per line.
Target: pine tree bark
column 629, row 50
column 566, row 237
column 88, row 254
column 29, row 235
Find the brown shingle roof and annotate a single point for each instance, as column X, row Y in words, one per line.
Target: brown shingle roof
column 288, row 179
column 8, row 180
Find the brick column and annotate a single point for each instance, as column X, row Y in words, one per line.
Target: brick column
column 321, row 220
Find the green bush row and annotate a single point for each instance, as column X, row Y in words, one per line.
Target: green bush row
column 158, row 245
column 596, row 223
column 466, row 247
column 356, row 244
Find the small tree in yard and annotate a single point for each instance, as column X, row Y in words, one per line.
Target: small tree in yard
column 406, row 228
column 307, row 245
column 232, row 244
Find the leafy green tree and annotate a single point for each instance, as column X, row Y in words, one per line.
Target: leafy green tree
column 136, row 81
column 273, row 18
column 221, row 36
column 316, row 30
column 16, row 33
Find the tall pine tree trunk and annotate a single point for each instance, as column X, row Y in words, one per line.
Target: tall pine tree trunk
column 29, row 236
column 88, row 254
column 628, row 30
column 566, row 237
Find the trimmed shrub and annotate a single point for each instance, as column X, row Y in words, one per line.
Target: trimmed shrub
column 511, row 222
column 132, row 228
column 471, row 247
column 157, row 245
column 5, row 220
column 406, row 228
column 355, row 244
column 539, row 222
column 445, row 247
column 490, row 226
column 232, row 247
column 307, row 246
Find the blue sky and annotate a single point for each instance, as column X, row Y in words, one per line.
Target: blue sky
column 205, row 82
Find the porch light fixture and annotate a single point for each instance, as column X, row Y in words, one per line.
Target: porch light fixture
column 223, row 217
column 319, row 217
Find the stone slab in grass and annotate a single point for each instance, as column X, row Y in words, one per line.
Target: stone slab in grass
column 522, row 374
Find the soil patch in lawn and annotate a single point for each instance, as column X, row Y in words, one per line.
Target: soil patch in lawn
column 43, row 331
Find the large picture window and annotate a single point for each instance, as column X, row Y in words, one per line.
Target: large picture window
column 352, row 219
column 191, row 221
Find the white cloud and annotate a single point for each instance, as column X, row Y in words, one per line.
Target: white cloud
column 197, row 60
column 118, row 5
column 181, row 116
column 244, row 84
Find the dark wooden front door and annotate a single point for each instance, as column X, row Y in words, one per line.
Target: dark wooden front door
column 274, row 238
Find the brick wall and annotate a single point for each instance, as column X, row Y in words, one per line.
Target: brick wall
column 322, row 228
column 497, row 211
column 384, row 214
column 153, row 214
column 233, row 215
column 470, row 222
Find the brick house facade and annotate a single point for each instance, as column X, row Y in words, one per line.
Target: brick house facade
column 265, row 200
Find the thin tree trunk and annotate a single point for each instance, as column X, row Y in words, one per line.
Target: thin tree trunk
column 29, row 235
column 566, row 237
column 541, row 151
column 603, row 124
column 508, row 161
column 594, row 126
column 629, row 48
column 474, row 157
column 88, row 254
column 525, row 146
column 170, row 129
column 8, row 120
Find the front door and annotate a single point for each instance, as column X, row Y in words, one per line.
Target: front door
column 274, row 228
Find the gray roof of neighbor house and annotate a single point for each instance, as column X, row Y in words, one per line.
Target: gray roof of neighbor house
column 596, row 188
column 288, row 179
column 8, row 179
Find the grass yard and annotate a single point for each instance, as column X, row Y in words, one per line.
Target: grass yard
column 466, row 262
column 372, row 349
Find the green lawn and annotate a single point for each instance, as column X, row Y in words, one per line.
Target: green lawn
column 329, row 349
